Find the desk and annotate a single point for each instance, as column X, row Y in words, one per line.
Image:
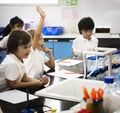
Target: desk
column 69, row 91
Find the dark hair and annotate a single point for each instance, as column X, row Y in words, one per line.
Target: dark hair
column 86, row 23
column 17, row 38
column 8, row 28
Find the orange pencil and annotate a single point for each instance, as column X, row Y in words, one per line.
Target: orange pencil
column 85, row 92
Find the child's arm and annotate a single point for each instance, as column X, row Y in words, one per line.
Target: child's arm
column 27, row 82
column 39, row 28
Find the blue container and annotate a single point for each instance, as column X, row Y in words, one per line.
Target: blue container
column 52, row 30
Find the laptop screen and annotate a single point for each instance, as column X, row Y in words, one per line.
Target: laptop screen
column 102, row 30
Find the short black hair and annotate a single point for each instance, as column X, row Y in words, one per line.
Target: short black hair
column 8, row 28
column 16, row 20
column 17, row 38
column 86, row 23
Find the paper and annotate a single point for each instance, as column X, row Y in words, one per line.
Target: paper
column 66, row 74
column 68, row 62
column 15, row 96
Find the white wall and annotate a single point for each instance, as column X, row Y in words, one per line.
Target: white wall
column 54, row 15
column 104, row 13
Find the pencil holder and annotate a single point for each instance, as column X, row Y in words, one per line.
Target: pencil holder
column 95, row 107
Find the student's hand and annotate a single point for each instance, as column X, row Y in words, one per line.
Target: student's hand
column 40, row 11
column 45, row 49
column 44, row 80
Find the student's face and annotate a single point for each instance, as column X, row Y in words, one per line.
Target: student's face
column 17, row 26
column 87, row 34
column 23, row 51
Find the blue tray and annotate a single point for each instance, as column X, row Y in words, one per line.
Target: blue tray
column 52, row 30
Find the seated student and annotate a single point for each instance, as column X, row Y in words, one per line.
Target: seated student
column 37, row 58
column 86, row 41
column 19, row 47
column 15, row 23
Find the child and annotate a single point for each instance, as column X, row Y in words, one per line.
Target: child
column 18, row 47
column 37, row 58
column 85, row 41
column 15, row 23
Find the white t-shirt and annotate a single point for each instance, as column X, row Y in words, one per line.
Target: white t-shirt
column 80, row 44
column 35, row 63
column 14, row 69
column 3, row 42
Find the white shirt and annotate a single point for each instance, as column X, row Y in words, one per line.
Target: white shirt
column 3, row 42
column 80, row 44
column 14, row 69
column 35, row 63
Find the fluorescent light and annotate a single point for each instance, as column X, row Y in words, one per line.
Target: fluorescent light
column 29, row 1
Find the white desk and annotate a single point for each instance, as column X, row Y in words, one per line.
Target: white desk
column 69, row 90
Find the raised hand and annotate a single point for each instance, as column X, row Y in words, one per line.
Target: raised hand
column 40, row 11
